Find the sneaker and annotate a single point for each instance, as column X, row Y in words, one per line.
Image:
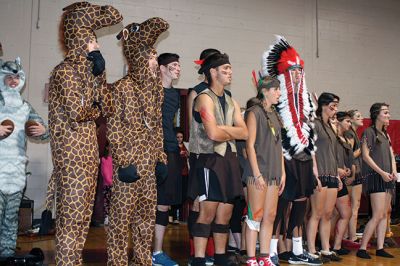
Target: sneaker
column 334, row 256
column 324, row 259
column 360, row 231
column 275, row 260
column 329, row 255
column 252, row 262
column 209, row 261
column 285, row 256
column 305, row 258
column 362, row 253
column 162, row 259
column 265, row 261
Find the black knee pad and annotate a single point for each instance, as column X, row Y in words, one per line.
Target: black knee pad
column 296, row 216
column 280, row 216
column 162, row 218
column 192, row 218
column 201, row 230
column 220, row 228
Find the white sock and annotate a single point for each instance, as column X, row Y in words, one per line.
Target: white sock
column 297, row 245
column 273, row 247
column 157, row 252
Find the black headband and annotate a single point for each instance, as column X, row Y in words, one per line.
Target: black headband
column 210, row 62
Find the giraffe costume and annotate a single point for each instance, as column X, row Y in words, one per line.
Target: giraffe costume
column 136, row 138
column 76, row 98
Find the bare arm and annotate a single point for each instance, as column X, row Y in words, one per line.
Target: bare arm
column 190, row 100
column 239, row 130
column 251, row 152
column 357, row 152
column 315, row 172
column 205, row 106
column 394, row 166
column 283, row 178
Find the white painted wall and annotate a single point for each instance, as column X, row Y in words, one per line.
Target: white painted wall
column 358, row 48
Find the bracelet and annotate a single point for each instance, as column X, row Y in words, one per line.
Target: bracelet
column 257, row 177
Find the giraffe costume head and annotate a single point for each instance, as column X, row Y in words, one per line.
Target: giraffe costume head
column 79, row 22
column 138, row 41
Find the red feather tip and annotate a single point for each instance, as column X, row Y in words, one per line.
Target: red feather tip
column 254, row 78
column 199, row 62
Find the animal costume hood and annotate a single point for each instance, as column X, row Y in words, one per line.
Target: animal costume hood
column 13, row 148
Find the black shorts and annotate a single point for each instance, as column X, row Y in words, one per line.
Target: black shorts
column 219, row 177
column 343, row 191
column 300, row 179
column 375, row 184
column 358, row 180
column 329, row 181
column 170, row 192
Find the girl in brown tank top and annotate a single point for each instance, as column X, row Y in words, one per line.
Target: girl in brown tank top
column 323, row 200
column 346, row 169
column 264, row 172
column 380, row 171
column 355, row 189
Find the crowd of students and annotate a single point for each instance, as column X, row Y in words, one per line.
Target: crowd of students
column 292, row 190
column 266, row 178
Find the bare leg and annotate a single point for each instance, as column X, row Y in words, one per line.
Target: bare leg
column 317, row 200
column 256, row 200
column 355, row 193
column 343, row 206
column 381, row 229
column 378, row 204
column 325, row 223
column 159, row 231
column 223, row 215
column 208, row 210
column 270, row 204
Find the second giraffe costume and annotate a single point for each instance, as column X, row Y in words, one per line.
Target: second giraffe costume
column 77, row 94
column 136, row 141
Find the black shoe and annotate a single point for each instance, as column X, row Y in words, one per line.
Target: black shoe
column 334, row 256
column 362, row 253
column 46, row 223
column 234, row 250
column 305, row 258
column 323, row 258
column 284, row 256
column 341, row 251
column 383, row 253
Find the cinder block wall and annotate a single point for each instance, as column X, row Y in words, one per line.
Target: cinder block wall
column 358, row 48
